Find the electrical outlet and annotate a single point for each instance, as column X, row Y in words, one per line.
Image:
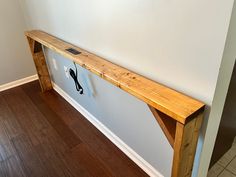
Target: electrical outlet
column 66, row 72
column 54, row 63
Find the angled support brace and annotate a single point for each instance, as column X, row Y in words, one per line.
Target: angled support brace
column 167, row 124
column 183, row 139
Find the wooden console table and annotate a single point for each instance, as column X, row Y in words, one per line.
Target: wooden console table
column 179, row 116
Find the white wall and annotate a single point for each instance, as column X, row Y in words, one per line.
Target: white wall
column 178, row 43
column 225, row 73
column 15, row 60
column 161, row 39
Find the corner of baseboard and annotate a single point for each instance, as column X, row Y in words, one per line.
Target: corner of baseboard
column 18, row 82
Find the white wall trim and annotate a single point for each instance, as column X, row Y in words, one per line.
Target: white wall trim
column 150, row 170
column 18, row 82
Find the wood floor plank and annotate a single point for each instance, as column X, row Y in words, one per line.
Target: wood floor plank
column 4, row 115
column 10, row 165
column 11, row 168
column 53, row 161
column 9, row 122
column 6, row 148
column 53, row 152
column 29, row 157
column 28, row 116
column 6, row 151
column 53, row 118
column 84, row 156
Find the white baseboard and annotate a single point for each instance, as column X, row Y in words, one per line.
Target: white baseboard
column 18, row 82
column 151, row 171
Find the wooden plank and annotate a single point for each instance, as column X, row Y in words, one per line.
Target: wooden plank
column 33, row 166
column 167, row 125
column 85, row 157
column 185, row 147
column 52, row 117
column 40, row 64
column 172, row 103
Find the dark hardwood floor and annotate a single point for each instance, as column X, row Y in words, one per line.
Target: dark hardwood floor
column 41, row 135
